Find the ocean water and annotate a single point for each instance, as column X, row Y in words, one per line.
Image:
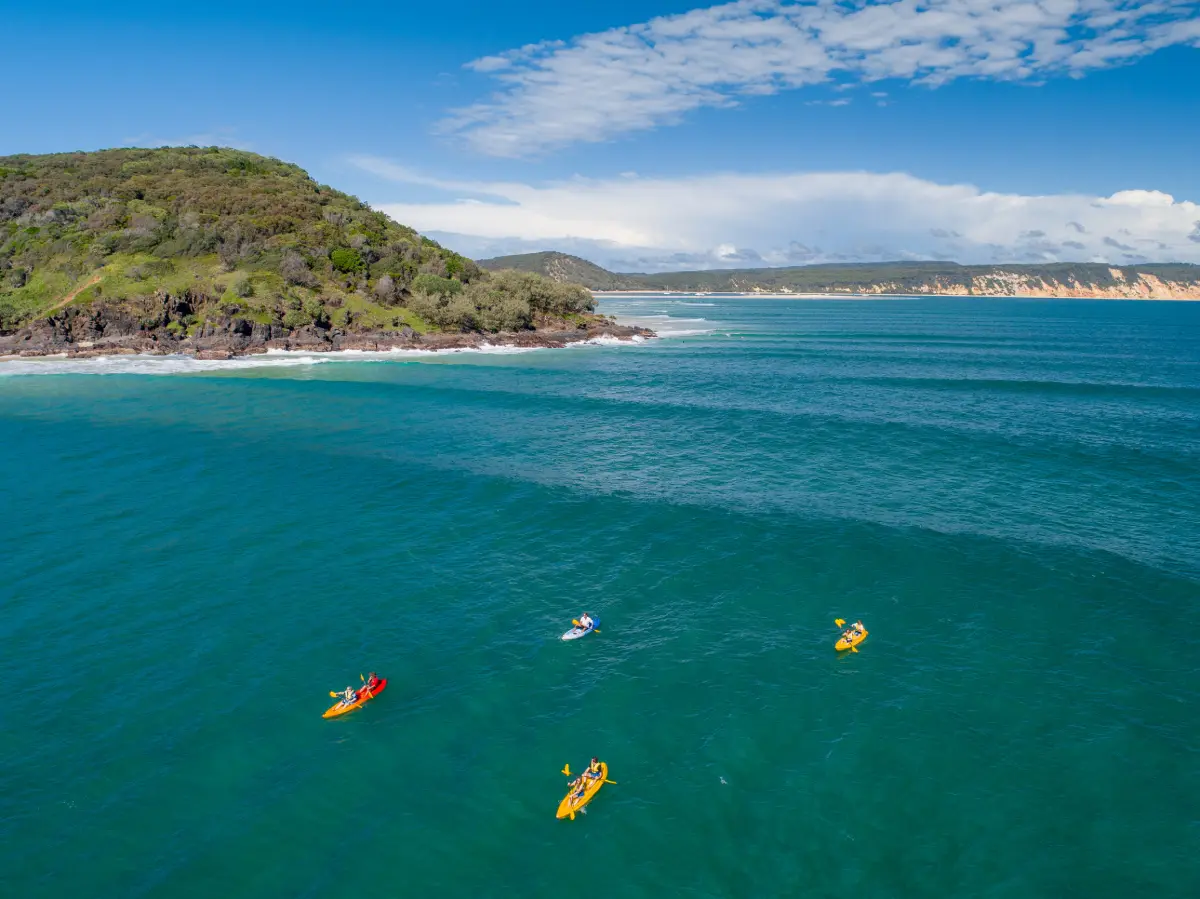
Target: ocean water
column 1005, row 492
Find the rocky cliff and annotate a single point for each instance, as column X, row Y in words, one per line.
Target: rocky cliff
column 154, row 325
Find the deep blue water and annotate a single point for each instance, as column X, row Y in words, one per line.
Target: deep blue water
column 1005, row 492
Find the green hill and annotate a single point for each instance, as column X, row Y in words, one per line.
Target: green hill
column 1165, row 280
column 173, row 244
column 563, row 267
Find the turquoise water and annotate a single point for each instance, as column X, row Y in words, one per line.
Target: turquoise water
column 1005, row 493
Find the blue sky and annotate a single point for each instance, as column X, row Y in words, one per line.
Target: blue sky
column 660, row 135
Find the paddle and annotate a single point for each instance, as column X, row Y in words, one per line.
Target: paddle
column 370, row 692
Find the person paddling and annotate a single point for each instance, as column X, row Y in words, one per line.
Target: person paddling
column 372, row 683
column 348, row 695
column 578, row 787
column 585, row 621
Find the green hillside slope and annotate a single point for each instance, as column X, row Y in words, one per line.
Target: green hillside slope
column 184, row 240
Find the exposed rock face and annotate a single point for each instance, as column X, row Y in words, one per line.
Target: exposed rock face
column 103, row 329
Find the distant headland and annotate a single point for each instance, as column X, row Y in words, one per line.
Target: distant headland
column 1160, row 281
column 217, row 252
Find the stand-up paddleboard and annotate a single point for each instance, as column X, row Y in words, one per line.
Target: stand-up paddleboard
column 576, row 632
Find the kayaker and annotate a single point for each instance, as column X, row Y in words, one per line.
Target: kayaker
column 577, row 787
column 585, row 621
column 593, row 770
column 348, row 695
column 372, row 682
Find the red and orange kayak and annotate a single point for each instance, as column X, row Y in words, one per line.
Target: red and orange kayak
column 361, row 698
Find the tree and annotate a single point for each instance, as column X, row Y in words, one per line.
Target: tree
column 296, row 271
column 432, row 284
column 347, row 260
column 385, row 290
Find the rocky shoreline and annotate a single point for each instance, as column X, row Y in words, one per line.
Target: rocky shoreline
column 82, row 334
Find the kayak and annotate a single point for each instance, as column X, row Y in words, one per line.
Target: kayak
column 571, row 804
column 843, row 644
column 576, row 632
column 361, row 698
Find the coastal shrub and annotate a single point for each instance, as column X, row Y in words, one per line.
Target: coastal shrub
column 432, row 284
column 499, row 309
column 296, row 271
column 434, row 265
column 427, row 306
column 449, row 313
column 243, row 287
column 460, row 314
column 385, row 290
column 296, row 318
column 317, row 313
column 347, row 260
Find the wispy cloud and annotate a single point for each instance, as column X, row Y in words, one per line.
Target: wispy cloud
column 596, row 86
column 724, row 220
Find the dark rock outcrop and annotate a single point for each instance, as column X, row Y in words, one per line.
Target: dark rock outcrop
column 159, row 326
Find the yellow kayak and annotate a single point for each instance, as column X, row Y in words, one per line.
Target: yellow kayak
column 571, row 803
column 845, row 643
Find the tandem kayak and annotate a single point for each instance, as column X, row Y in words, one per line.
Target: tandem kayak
column 361, row 698
column 576, row 632
column 844, row 643
column 572, row 803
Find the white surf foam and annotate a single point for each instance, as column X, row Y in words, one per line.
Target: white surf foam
column 140, row 364
column 146, row 364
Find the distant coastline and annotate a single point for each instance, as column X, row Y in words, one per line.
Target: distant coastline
column 1057, row 280
column 835, row 295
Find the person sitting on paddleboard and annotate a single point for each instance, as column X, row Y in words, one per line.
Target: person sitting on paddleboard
column 585, row 621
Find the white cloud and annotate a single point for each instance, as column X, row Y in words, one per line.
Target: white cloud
column 596, row 86
column 724, row 220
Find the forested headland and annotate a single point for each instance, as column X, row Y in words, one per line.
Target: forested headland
column 214, row 250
